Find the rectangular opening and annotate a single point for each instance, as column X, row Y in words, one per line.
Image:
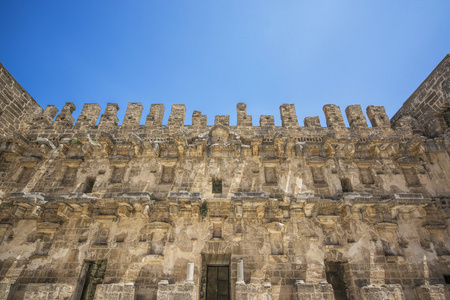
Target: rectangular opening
column 217, row 230
column 346, row 186
column 447, row 279
column 117, row 174
column 335, row 276
column 366, row 176
column 270, row 175
column 94, row 276
column 216, row 276
column 318, row 177
column 167, row 174
column 217, row 284
column 217, row 186
column 89, row 185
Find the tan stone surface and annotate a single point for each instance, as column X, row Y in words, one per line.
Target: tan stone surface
column 287, row 200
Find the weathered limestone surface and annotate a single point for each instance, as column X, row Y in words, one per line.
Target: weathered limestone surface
column 4, row 290
column 322, row 291
column 254, row 291
column 114, row 292
column 16, row 105
column 429, row 104
column 391, row 291
column 168, row 291
column 47, row 291
column 432, row 292
column 173, row 211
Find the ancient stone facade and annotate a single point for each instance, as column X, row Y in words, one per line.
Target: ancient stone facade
column 97, row 210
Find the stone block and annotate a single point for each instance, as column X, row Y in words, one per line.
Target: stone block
column 4, row 290
column 431, row 292
column 177, row 115
column 254, row 291
column 132, row 115
column 355, row 116
column 65, row 118
column 168, row 291
column 156, row 115
column 242, row 118
column 266, row 121
column 109, row 119
column 383, row 292
column 378, row 117
column 288, row 115
column 48, row 291
column 198, row 120
column 114, row 292
column 322, row 291
column 88, row 116
column 313, row 122
column 222, row 120
column 333, row 115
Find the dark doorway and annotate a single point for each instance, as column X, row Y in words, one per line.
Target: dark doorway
column 217, row 285
column 215, row 280
column 94, row 276
column 335, row 276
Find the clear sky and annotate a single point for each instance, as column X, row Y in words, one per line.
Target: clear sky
column 210, row 55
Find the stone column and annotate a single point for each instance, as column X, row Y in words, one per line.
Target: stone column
column 240, row 272
column 190, row 274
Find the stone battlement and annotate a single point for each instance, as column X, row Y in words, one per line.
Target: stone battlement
column 235, row 211
column 90, row 117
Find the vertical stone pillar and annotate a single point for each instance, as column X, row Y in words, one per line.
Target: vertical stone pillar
column 88, row 116
column 426, row 271
column 376, row 273
column 190, row 273
column 378, row 117
column 355, row 116
column 222, row 120
column 109, row 118
column 288, row 115
column 65, row 118
column 240, row 272
column 132, row 115
column 242, row 118
column 198, row 120
column 266, row 121
column 177, row 115
column 312, row 122
column 44, row 119
column 156, row 115
column 50, row 111
column 333, row 115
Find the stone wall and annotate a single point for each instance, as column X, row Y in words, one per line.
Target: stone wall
column 329, row 212
column 114, row 292
column 48, row 292
column 16, row 105
column 427, row 109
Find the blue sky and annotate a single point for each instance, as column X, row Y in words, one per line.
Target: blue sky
column 210, row 55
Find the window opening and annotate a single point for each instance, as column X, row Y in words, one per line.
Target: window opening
column 346, row 187
column 89, row 185
column 217, row 186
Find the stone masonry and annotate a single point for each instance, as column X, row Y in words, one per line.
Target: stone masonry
column 225, row 211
